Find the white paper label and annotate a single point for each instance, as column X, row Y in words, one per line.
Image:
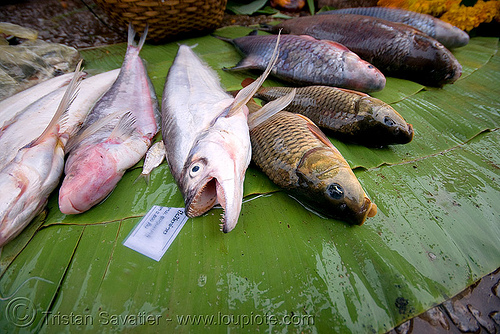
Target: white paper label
column 156, row 231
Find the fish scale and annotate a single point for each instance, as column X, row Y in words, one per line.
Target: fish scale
column 346, row 114
column 449, row 35
column 395, row 48
column 298, row 157
column 305, row 60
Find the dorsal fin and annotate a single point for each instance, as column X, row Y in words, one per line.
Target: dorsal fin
column 269, row 109
column 125, row 126
column 246, row 93
column 353, row 92
column 91, row 129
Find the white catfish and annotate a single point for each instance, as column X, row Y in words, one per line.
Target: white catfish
column 28, row 180
column 98, row 158
column 206, row 136
column 21, row 129
column 16, row 103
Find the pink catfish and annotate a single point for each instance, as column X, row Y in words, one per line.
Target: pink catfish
column 114, row 137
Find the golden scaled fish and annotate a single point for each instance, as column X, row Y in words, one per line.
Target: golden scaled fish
column 346, row 114
column 297, row 156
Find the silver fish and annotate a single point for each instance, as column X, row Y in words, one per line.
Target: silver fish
column 206, row 136
column 21, row 129
column 28, row 180
column 154, row 157
column 16, row 103
column 447, row 34
column 99, row 158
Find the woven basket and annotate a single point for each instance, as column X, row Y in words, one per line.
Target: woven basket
column 167, row 18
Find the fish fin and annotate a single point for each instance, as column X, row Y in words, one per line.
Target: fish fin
column 125, row 127
column 225, row 39
column 247, row 92
column 335, row 44
column 68, row 98
column 250, row 62
column 269, row 109
column 247, row 82
column 145, row 177
column 132, row 33
column 317, row 132
column 91, row 129
column 353, row 92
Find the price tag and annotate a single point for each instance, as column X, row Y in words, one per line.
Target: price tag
column 156, row 231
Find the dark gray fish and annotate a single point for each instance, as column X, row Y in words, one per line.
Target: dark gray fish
column 447, row 34
column 396, row 49
column 304, row 60
column 347, row 114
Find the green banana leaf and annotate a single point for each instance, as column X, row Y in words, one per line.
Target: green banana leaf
column 282, row 268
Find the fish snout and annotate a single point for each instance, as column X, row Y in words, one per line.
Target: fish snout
column 81, row 189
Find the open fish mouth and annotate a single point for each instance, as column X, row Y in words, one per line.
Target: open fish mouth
column 209, row 194
column 369, row 209
column 204, row 198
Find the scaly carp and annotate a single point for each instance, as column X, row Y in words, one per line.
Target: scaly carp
column 206, row 137
column 395, row 49
column 115, row 136
column 346, row 114
column 297, row 156
column 304, row 60
column 447, row 34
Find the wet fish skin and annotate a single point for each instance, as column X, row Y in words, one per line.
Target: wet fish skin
column 346, row 114
column 447, row 34
column 394, row 48
column 16, row 103
column 297, row 156
column 206, row 137
column 98, row 159
column 34, row 173
column 304, row 60
column 21, row 130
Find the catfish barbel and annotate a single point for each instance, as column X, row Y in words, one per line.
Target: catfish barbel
column 305, row 60
column 297, row 156
column 447, row 34
column 394, row 48
column 206, row 136
column 346, row 114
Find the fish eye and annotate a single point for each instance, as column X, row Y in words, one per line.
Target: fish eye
column 194, row 170
column 335, row 191
column 371, row 66
column 388, row 121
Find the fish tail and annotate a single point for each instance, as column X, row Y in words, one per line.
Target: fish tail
column 144, row 177
column 247, row 92
column 132, row 33
column 225, row 39
column 61, row 113
column 269, row 109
